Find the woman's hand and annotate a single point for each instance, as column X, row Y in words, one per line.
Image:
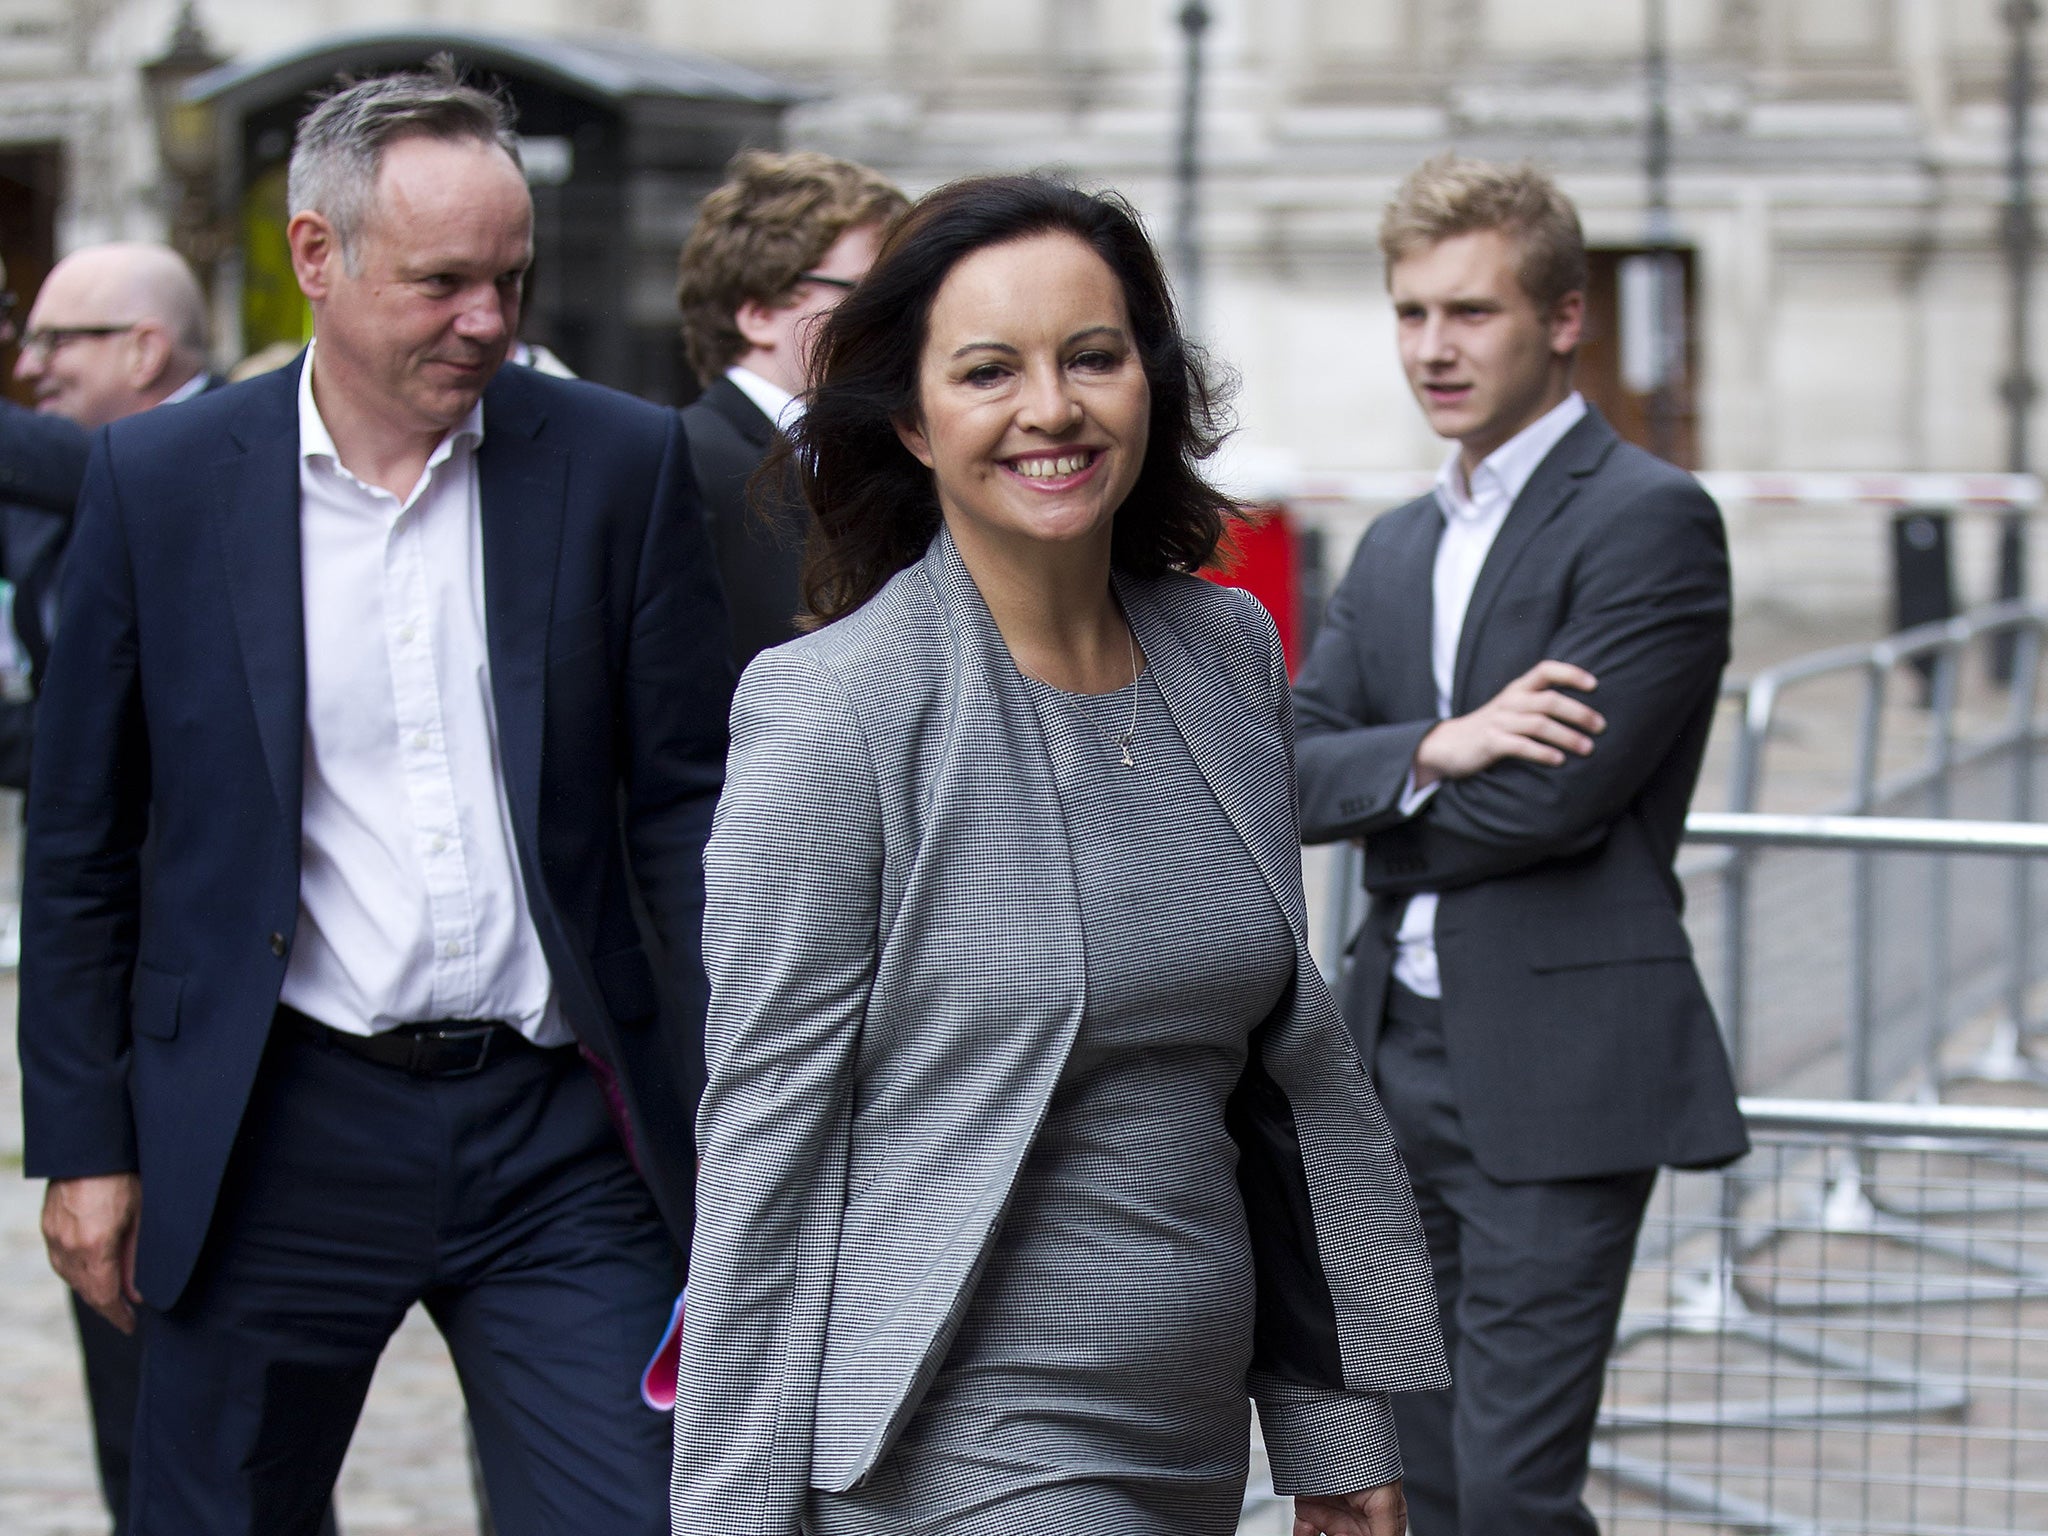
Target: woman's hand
column 1377, row 1511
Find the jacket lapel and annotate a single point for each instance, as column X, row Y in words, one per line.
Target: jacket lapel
column 257, row 519
column 522, row 490
column 740, row 412
column 1556, row 481
column 1404, row 618
column 1247, row 769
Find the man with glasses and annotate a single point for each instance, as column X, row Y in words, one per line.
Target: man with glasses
column 116, row 329
column 774, row 249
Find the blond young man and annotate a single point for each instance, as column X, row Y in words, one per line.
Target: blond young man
column 1508, row 704
column 774, row 250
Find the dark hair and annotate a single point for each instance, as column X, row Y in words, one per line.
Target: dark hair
column 875, row 506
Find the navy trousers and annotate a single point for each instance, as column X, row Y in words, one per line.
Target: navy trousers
column 504, row 1203
column 1529, row 1282
column 113, row 1370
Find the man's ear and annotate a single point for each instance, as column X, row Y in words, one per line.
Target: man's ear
column 760, row 324
column 1567, row 323
column 316, row 252
column 149, row 353
column 910, row 433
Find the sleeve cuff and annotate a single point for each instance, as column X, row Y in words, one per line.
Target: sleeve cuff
column 1322, row 1441
column 1413, row 799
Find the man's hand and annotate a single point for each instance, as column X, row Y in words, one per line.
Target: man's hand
column 1528, row 719
column 1377, row 1511
column 89, row 1227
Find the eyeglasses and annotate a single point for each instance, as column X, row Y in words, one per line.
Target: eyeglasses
column 843, row 284
column 51, row 339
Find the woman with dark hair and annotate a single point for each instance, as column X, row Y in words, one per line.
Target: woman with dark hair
column 1033, row 1144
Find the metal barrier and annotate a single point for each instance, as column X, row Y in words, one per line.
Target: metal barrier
column 1771, row 1286
column 1808, row 1343
column 1780, row 1372
column 1934, row 783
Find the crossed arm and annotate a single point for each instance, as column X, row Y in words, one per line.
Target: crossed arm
column 1536, row 772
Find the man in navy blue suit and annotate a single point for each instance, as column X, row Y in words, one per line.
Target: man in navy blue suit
column 383, row 680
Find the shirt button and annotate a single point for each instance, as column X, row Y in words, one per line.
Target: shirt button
column 439, row 845
column 405, row 635
column 419, row 741
column 451, row 948
column 277, row 945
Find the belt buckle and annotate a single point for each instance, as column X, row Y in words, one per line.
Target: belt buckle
column 445, row 1038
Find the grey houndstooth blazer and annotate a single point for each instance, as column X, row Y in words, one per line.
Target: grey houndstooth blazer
column 894, row 942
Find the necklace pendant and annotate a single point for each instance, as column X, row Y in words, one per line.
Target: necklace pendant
column 1127, row 755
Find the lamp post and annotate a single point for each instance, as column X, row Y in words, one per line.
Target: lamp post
column 2018, row 388
column 1667, row 307
column 1187, row 251
column 185, row 141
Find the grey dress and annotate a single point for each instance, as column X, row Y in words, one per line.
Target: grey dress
column 1110, row 1394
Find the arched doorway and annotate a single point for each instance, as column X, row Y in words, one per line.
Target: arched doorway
column 621, row 141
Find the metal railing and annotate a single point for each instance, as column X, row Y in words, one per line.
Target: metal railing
column 1782, row 1371
column 1935, row 780
column 1848, row 1332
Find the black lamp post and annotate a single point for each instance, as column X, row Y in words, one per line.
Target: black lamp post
column 2021, row 235
column 186, row 142
column 1187, row 251
column 1668, row 309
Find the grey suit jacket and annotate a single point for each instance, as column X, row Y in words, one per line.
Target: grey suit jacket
column 1579, row 1037
column 894, row 940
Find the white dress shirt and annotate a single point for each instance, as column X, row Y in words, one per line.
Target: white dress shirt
column 411, row 905
column 1472, row 519
column 776, row 403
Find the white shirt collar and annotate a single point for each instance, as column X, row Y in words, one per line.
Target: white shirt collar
column 776, row 403
column 1509, row 466
column 186, row 390
column 315, row 441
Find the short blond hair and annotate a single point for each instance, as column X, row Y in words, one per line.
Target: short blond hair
column 1447, row 195
column 772, row 219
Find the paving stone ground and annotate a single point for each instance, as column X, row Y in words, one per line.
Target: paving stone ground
column 406, row 1472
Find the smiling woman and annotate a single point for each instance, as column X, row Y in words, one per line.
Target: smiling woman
column 988, row 250
column 1016, row 1184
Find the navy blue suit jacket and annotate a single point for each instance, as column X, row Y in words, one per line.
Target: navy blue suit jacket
column 174, row 717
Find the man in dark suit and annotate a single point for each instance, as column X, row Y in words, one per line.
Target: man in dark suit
column 402, row 666
column 774, row 249
column 1508, row 703
column 115, row 330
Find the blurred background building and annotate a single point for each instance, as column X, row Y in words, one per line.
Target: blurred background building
column 1823, row 187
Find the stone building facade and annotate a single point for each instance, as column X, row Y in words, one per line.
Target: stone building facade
column 1837, row 179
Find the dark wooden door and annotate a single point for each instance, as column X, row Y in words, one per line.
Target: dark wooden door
column 1669, row 427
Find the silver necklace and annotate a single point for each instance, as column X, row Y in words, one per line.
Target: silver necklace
column 1123, row 742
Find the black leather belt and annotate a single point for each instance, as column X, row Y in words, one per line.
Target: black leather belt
column 437, row 1048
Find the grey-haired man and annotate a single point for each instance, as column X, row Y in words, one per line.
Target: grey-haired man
column 400, row 689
